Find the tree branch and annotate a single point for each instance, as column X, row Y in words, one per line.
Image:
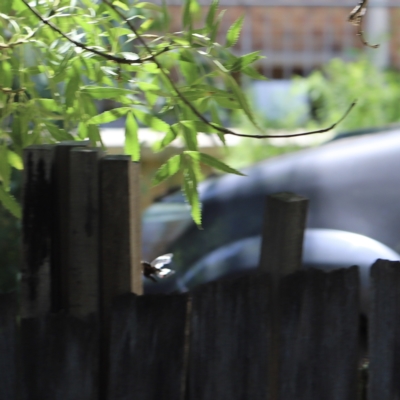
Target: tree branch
column 356, row 18
column 220, row 129
column 107, row 56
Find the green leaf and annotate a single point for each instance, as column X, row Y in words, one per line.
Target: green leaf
column 5, row 7
column 149, row 6
column 6, row 74
column 5, row 168
column 216, row 120
column 187, row 21
column 213, row 162
column 94, row 135
column 233, row 33
column 242, row 62
column 14, row 160
column 120, row 5
column 196, row 126
column 189, row 71
column 215, row 28
column 99, row 92
column 48, row 104
column 190, row 190
column 168, row 169
column 9, row 202
column 232, row 84
column 211, row 14
column 132, row 146
column 253, row 73
column 58, row 133
column 166, row 140
column 151, row 121
column 83, row 132
column 230, row 103
column 109, row 116
column 71, row 89
column 189, row 135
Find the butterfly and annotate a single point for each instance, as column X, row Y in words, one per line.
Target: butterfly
column 157, row 267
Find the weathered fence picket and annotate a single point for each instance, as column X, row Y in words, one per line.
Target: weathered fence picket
column 147, row 347
column 319, row 335
column 8, row 346
column 59, row 358
column 384, row 340
column 230, row 339
column 37, row 231
column 83, row 232
column 80, row 333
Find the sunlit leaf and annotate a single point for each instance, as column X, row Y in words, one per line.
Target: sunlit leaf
column 149, row 6
column 168, row 169
column 190, row 183
column 98, row 92
column 151, row 121
column 132, row 146
column 9, row 202
column 109, row 116
column 166, row 140
column 213, row 162
column 14, row 160
column 233, row 33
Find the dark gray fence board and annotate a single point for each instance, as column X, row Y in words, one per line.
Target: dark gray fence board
column 37, row 231
column 283, row 232
column 61, row 219
column 384, row 337
column 59, row 358
column 319, row 340
column 83, row 251
column 147, row 347
column 281, row 254
column 121, row 271
column 8, row 343
column 229, row 340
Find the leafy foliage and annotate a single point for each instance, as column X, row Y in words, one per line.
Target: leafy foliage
column 378, row 94
column 60, row 58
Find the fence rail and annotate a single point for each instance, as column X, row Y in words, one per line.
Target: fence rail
column 76, row 332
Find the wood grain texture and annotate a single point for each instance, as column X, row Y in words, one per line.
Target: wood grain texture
column 319, row 335
column 121, row 270
column 58, row 359
column 229, row 340
column 8, row 347
column 37, row 221
column 384, row 336
column 83, row 249
column 147, row 347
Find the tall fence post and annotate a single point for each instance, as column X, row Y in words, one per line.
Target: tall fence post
column 281, row 254
column 120, row 243
column 83, row 232
column 61, row 220
column 37, row 231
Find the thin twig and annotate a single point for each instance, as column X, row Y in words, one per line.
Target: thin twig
column 356, row 18
column 196, row 112
column 333, row 126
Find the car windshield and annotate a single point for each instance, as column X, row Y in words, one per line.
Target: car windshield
column 162, row 224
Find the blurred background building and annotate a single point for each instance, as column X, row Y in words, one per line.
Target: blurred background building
column 297, row 36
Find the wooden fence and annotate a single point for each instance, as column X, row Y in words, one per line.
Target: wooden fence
column 76, row 331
